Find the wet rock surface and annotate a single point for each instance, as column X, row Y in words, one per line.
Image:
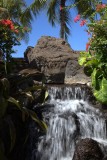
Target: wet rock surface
column 88, row 149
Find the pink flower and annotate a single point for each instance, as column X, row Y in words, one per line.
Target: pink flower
column 100, row 6
column 11, row 27
column 61, row 8
column 77, row 18
column 16, row 31
column 82, row 23
column 7, row 23
column 87, row 46
column 103, row 5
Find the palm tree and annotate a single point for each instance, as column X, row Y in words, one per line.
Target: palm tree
column 58, row 13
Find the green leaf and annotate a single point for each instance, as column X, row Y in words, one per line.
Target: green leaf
column 12, row 132
column 34, row 116
column 3, row 106
column 15, row 102
column 44, row 125
column 2, row 155
column 25, row 114
column 93, row 78
column 29, row 94
column 88, row 70
column 46, row 95
column 101, row 95
column 96, row 78
column 6, row 86
column 83, row 58
column 33, row 88
column 93, row 62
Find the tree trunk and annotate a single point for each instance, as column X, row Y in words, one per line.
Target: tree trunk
column 62, row 18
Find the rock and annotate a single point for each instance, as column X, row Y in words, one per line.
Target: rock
column 35, row 74
column 88, row 149
column 27, row 51
column 24, row 79
column 26, row 87
column 18, row 64
column 58, row 62
column 74, row 72
column 50, row 56
column 105, row 158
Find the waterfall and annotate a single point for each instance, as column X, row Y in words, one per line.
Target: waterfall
column 71, row 119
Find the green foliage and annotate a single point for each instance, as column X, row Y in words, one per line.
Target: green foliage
column 95, row 61
column 7, row 104
column 84, row 56
column 101, row 94
column 15, row 10
column 12, row 28
column 8, row 39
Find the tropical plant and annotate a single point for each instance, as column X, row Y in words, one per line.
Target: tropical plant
column 13, row 10
column 95, row 61
column 12, row 28
column 8, row 107
column 9, row 38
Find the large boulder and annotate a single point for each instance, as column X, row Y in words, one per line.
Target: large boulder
column 88, row 149
column 50, row 56
column 55, row 58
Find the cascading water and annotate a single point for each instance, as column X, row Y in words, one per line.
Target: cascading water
column 71, row 119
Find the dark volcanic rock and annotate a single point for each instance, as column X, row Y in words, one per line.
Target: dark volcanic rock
column 35, row 74
column 88, row 149
column 27, row 51
column 26, row 85
column 50, row 56
column 74, row 73
column 55, row 58
column 105, row 158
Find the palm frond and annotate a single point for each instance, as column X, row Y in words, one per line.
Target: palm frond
column 86, row 7
column 52, row 12
column 37, row 5
column 3, row 12
column 17, row 11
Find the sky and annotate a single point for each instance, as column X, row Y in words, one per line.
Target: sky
column 41, row 27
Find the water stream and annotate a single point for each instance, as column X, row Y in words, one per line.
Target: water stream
column 71, row 119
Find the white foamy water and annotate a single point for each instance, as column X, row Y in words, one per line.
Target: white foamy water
column 71, row 119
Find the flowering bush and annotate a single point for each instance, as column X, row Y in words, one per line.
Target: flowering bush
column 10, row 34
column 8, row 38
column 95, row 60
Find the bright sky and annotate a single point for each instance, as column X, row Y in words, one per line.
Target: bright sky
column 41, row 27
